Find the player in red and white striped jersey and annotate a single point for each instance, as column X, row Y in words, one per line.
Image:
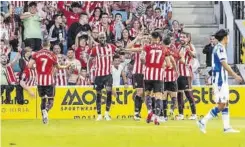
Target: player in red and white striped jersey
column 47, row 62
column 184, row 73
column 103, row 54
column 61, row 75
column 159, row 21
column 83, row 80
column 138, row 75
column 156, row 57
column 171, row 76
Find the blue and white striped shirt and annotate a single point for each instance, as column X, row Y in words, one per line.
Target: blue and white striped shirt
column 219, row 74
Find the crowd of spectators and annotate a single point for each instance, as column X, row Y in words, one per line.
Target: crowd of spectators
column 73, row 28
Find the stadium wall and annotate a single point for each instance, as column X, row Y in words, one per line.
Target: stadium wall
column 79, row 103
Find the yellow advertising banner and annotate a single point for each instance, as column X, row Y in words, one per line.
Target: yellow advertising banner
column 16, row 111
column 80, row 103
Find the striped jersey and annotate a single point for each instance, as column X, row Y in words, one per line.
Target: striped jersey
column 219, row 74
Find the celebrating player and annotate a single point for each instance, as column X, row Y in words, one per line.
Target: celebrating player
column 103, row 53
column 184, row 73
column 154, row 74
column 220, row 70
column 170, row 80
column 46, row 61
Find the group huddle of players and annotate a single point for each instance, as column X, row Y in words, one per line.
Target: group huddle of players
column 161, row 68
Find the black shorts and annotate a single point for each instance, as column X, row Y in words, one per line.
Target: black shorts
column 138, row 80
column 183, row 83
column 101, row 82
column 171, row 86
column 155, row 85
column 49, row 91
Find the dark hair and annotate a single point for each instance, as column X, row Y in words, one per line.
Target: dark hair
column 83, row 68
column 116, row 57
column 75, row 4
column 221, row 34
column 104, row 13
column 185, row 33
column 158, row 9
column 118, row 14
column 148, row 7
column 32, row 4
column 175, row 21
column 71, row 49
column 82, row 14
column 155, row 35
column 2, row 40
column 83, row 37
column 167, row 40
column 46, row 43
column 56, row 16
column 100, row 11
column 127, row 31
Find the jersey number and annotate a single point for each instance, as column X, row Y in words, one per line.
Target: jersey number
column 44, row 63
column 155, row 54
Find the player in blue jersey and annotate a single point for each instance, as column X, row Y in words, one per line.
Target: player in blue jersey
column 220, row 71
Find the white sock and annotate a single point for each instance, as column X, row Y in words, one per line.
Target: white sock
column 226, row 118
column 106, row 113
column 135, row 113
column 211, row 114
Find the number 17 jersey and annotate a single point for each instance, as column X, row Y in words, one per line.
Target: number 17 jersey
column 155, row 56
column 45, row 62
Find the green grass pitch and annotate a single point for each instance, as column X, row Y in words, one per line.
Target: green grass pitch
column 118, row 133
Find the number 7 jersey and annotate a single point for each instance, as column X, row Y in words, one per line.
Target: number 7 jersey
column 155, row 56
column 45, row 62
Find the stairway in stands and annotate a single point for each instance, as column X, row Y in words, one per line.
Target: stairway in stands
column 199, row 20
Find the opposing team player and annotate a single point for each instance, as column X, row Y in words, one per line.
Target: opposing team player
column 184, row 73
column 220, row 71
column 47, row 62
column 103, row 54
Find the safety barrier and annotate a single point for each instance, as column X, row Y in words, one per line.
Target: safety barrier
column 79, row 103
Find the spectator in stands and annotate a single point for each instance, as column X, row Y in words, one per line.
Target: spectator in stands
column 4, row 34
column 83, row 80
column 94, row 19
column 166, row 9
column 8, row 79
column 57, row 32
column 5, row 48
column 104, row 26
column 14, row 24
column 208, row 50
column 135, row 29
column 32, row 27
column 196, row 72
column 82, row 49
column 159, row 20
column 118, row 26
column 73, row 16
column 77, row 27
column 147, row 19
column 61, row 75
column 57, row 49
column 74, row 69
column 118, row 71
column 125, row 38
